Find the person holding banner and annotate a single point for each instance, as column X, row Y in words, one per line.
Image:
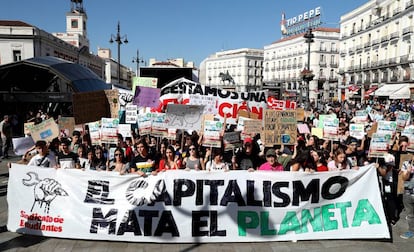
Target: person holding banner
column 99, row 162
column 168, row 162
column 407, row 172
column 217, row 163
column 193, row 161
column 67, row 159
column 271, row 164
column 43, row 158
column 339, row 161
column 118, row 164
column 143, row 163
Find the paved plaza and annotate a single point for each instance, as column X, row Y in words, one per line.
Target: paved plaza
column 15, row 242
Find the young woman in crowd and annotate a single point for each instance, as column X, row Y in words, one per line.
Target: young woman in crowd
column 339, row 161
column 117, row 164
column 99, row 163
column 193, row 161
column 168, row 162
column 217, row 164
column 320, row 160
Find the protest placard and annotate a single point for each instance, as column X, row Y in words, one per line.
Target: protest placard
column 125, row 130
column 159, row 126
column 409, row 132
column 131, row 114
column 317, row 132
column 303, row 128
column 27, row 127
column 46, row 130
column 211, row 133
column 330, row 128
column 209, row 103
column 109, row 130
column 187, row 117
column 300, row 114
column 232, row 140
column 66, row 125
column 279, row 127
column 379, row 145
column 144, row 123
column 146, row 97
column 357, row 130
column 95, row 132
column 112, row 97
column 90, row 106
column 22, row 144
column 402, row 119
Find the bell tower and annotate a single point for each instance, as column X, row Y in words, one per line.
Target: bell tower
column 76, row 20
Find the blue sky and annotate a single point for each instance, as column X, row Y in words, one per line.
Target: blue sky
column 164, row 29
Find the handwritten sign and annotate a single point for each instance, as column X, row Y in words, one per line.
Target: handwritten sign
column 279, row 127
column 46, row 130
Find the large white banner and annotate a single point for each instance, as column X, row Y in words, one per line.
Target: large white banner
column 196, row 206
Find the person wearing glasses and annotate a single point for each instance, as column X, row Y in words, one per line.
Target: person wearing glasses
column 118, row 163
column 193, row 161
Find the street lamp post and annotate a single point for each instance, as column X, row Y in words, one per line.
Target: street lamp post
column 118, row 39
column 137, row 60
column 309, row 39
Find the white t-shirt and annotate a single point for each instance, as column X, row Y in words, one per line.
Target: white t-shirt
column 43, row 161
column 212, row 166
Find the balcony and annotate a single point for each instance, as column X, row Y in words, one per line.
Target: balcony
column 384, row 39
column 294, row 65
column 341, row 71
column 351, row 51
column 392, row 60
column 384, row 79
column 374, row 63
column 322, row 49
column 394, row 78
column 333, row 79
column 333, row 65
column 407, row 30
column 322, row 64
column 358, row 48
column 322, row 78
column 365, row 65
column 375, row 80
column 396, row 11
column 404, row 59
column 266, row 69
column 406, row 78
column 343, row 53
column 394, row 35
column 351, row 68
column 375, row 42
column 273, row 69
column 367, row 44
column 409, row 4
column 383, row 62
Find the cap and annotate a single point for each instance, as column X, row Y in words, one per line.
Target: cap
column 271, row 152
column 247, row 140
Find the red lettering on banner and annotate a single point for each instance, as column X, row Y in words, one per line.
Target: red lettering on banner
column 229, row 110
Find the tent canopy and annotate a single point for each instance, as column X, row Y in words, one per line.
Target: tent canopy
column 42, row 74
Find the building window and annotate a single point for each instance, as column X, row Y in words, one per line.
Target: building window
column 74, row 23
column 17, row 55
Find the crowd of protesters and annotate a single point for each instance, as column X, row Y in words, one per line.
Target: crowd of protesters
column 146, row 155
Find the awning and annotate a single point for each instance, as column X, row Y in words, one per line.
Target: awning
column 388, row 89
column 353, row 88
column 370, row 91
column 403, row 93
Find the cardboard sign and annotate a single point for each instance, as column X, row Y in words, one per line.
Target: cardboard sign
column 146, row 97
column 28, row 127
column 300, row 114
column 279, row 127
column 90, row 106
column 46, row 130
column 211, row 134
column 252, row 126
column 131, row 114
column 66, row 125
column 232, row 140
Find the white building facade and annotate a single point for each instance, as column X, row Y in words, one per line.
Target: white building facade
column 285, row 59
column 239, row 70
column 376, row 48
